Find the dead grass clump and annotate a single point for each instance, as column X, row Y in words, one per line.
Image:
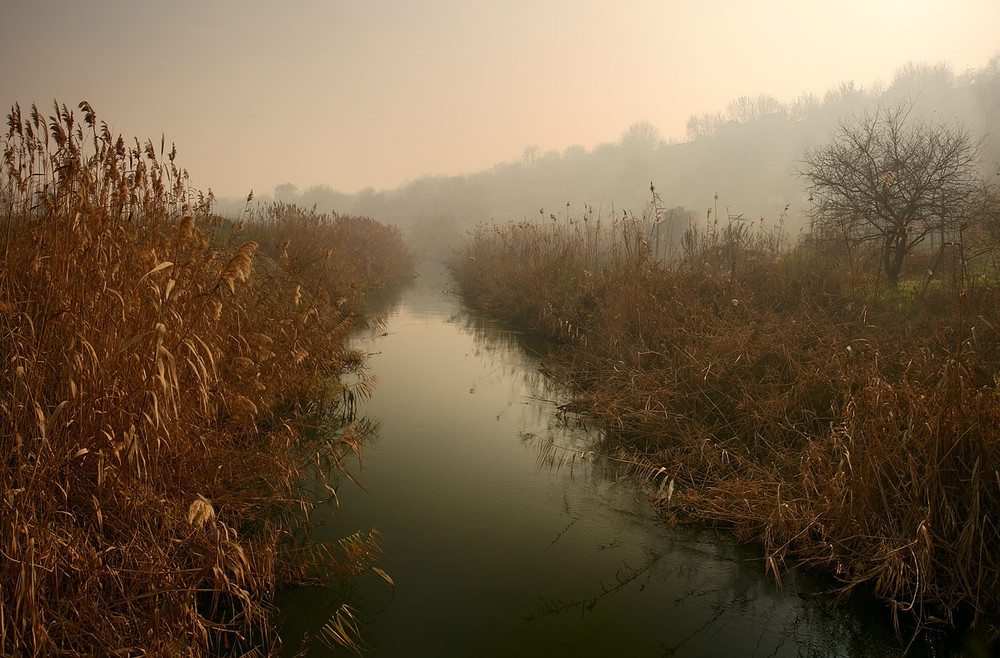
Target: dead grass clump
column 167, row 393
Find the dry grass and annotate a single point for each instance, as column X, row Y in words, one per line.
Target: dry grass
column 779, row 392
column 170, row 397
column 366, row 251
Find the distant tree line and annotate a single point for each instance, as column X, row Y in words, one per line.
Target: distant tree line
column 742, row 160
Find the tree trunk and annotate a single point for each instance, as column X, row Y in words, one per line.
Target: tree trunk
column 893, row 255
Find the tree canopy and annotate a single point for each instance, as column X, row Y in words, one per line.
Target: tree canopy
column 887, row 177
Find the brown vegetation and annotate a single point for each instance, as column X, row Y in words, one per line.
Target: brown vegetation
column 172, row 398
column 781, row 392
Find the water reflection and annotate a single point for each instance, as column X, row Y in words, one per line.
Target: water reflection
column 493, row 554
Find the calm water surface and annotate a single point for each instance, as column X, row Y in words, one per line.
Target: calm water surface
column 495, row 555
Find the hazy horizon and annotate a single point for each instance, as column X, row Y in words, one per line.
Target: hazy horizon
column 352, row 96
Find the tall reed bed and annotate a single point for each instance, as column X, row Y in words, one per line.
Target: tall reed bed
column 172, row 399
column 366, row 251
column 775, row 392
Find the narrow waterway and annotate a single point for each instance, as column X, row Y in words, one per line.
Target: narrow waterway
column 495, row 554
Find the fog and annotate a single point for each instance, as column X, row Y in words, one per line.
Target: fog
column 446, row 113
column 741, row 161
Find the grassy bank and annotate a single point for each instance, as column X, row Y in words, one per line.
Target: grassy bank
column 781, row 392
column 171, row 396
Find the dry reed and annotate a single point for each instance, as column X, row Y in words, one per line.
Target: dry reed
column 778, row 392
column 170, row 399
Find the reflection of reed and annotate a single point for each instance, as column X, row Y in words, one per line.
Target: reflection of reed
column 626, row 575
column 517, row 355
column 562, row 533
column 710, row 600
column 654, row 479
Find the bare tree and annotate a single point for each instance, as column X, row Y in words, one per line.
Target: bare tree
column 706, row 125
column 747, row 109
column 886, row 178
column 643, row 135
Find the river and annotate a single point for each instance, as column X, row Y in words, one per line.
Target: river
column 495, row 554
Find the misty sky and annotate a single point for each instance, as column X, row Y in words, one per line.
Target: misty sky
column 370, row 93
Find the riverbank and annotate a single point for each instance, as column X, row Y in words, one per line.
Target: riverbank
column 516, row 556
column 174, row 397
column 780, row 393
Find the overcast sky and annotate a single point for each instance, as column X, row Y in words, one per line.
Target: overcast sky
column 376, row 93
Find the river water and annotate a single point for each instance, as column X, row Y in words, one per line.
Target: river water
column 495, row 554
